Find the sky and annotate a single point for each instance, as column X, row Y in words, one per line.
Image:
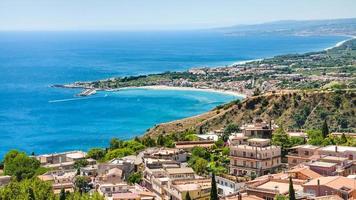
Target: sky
column 161, row 14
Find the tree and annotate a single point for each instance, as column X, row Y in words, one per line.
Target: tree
column 19, row 165
column 325, row 129
column 118, row 153
column 281, row 138
column 80, row 163
column 96, row 153
column 214, row 191
column 82, row 184
column 187, row 196
column 315, row 137
column 62, row 195
column 200, row 165
column 160, row 140
column 291, row 189
column 21, row 190
column 343, row 139
column 135, row 178
column 116, row 143
column 231, row 128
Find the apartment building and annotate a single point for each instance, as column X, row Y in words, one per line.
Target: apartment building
column 255, row 158
column 301, row 154
column 259, row 129
column 338, row 151
column 198, row 189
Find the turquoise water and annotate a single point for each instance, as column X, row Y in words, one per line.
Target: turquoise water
column 32, row 120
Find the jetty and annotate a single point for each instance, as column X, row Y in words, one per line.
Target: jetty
column 87, row 92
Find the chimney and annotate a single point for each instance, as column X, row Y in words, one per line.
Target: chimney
column 335, row 148
column 239, row 196
column 318, row 188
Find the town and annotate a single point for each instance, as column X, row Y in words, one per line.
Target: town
column 257, row 161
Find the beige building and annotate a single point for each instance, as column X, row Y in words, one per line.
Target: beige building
column 257, row 157
column 198, row 189
column 258, row 129
column 301, row 154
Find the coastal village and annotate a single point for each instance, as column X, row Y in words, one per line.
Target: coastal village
column 255, row 168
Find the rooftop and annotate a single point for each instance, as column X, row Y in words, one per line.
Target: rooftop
column 335, row 182
column 333, row 148
column 282, row 187
column 322, row 164
column 183, row 170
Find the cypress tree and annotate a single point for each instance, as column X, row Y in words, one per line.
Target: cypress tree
column 325, row 129
column 187, row 196
column 62, row 195
column 214, row 191
column 291, row 189
column 343, row 138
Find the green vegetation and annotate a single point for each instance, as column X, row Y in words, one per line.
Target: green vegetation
column 316, row 137
column 135, row 178
column 21, row 166
column 96, row 153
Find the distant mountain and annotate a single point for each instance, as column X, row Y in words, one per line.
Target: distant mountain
column 292, row 27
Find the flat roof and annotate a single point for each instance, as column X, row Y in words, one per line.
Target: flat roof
column 339, row 148
column 322, row 164
column 182, row 170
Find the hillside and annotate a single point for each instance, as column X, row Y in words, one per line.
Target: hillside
column 295, row 110
column 293, row 27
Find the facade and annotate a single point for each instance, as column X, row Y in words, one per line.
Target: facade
column 123, row 191
column 331, row 185
column 177, row 155
column 301, row 154
column 228, row 185
column 188, row 145
column 199, row 189
column 339, row 151
column 259, row 129
column 63, row 160
column 256, row 158
column 323, row 168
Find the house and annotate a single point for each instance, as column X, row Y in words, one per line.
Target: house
column 64, row 160
column 241, row 196
column 270, row 188
column 258, row 129
column 208, row 136
column 323, row 168
column 198, row 189
column 60, row 179
column 122, row 191
column 238, row 138
column 188, row 145
column 303, row 173
column 113, row 176
column 178, row 155
column 180, row 173
column 227, row 184
column 338, row 151
column 301, row 154
column 331, row 185
column 256, row 158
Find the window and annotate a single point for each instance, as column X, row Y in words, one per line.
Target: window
column 306, row 153
column 244, row 163
column 244, row 154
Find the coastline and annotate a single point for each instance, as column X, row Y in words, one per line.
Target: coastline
column 164, row 87
column 351, row 37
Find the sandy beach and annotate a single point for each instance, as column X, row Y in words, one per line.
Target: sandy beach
column 164, row 87
column 340, row 43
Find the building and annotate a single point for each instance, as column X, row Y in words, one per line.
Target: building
column 188, row 145
column 256, row 158
column 208, row 136
column 301, row 154
column 63, row 160
column 180, row 173
column 303, row 173
column 258, row 129
column 178, row 155
column 270, row 188
column 238, row 138
column 60, row 179
column 123, row 191
column 331, row 185
column 338, row 151
column 198, row 189
column 242, row 196
column 323, row 168
column 227, row 184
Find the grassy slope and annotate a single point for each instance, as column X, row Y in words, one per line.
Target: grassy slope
column 294, row 109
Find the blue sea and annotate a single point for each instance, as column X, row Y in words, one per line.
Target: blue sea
column 37, row 118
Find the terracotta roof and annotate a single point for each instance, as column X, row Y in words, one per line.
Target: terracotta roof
column 335, row 182
column 305, row 171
